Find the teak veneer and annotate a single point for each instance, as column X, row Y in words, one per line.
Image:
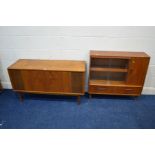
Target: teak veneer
column 117, row 73
column 60, row 77
column 0, row 87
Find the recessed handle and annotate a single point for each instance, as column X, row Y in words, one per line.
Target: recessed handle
column 133, row 61
column 129, row 89
column 101, row 88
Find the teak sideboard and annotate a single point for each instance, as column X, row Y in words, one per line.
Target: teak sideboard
column 63, row 77
column 117, row 73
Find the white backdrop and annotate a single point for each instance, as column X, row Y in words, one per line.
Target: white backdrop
column 74, row 43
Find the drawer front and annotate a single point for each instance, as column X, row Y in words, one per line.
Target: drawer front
column 129, row 90
column 114, row 90
column 101, row 89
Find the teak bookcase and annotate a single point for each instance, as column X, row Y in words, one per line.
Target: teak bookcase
column 117, row 73
column 62, row 77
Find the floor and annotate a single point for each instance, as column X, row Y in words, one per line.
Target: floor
column 62, row 112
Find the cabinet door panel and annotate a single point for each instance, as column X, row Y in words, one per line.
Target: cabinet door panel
column 77, row 82
column 34, row 80
column 137, row 71
column 58, row 81
column 49, row 81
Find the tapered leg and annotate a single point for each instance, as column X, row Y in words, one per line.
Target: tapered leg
column 21, row 97
column 135, row 97
column 78, row 99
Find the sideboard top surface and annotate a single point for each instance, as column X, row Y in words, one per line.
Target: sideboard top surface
column 53, row 65
column 118, row 54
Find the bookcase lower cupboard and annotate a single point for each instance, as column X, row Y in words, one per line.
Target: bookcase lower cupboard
column 117, row 73
column 62, row 77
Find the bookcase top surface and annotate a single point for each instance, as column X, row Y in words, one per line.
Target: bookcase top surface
column 118, row 54
column 53, row 65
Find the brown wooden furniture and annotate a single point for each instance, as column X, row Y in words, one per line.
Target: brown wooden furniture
column 48, row 77
column 117, row 73
column 0, row 87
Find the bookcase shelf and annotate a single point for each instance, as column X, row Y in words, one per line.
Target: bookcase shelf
column 107, row 82
column 100, row 69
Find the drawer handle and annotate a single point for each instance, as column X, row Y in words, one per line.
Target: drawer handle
column 129, row 89
column 133, row 61
column 101, row 88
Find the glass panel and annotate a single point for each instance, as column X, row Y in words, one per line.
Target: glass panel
column 109, row 63
column 108, row 76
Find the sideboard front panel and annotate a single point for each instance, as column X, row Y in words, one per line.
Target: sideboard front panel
column 48, row 81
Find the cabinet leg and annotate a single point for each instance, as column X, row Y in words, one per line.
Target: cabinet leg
column 78, row 99
column 21, row 97
column 90, row 96
column 135, row 97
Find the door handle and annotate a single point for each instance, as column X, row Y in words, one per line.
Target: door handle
column 100, row 88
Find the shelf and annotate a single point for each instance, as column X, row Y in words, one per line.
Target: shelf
column 100, row 69
column 107, row 82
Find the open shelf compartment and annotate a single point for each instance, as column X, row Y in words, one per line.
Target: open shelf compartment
column 113, row 63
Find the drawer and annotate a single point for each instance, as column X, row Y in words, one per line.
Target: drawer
column 114, row 90
column 129, row 90
column 101, row 89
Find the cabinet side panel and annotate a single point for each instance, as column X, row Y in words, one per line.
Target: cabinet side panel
column 137, row 71
column 0, row 87
column 77, row 82
column 16, row 79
